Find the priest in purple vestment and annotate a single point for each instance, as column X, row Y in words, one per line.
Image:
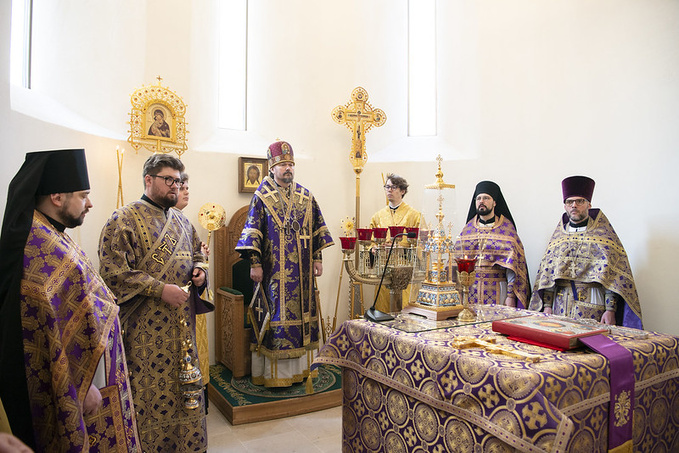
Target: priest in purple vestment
column 585, row 272
column 490, row 236
column 283, row 237
column 63, row 376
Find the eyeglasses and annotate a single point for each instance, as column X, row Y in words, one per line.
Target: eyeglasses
column 390, row 187
column 169, row 180
column 575, row 202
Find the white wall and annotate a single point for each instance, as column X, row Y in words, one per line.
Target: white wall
column 529, row 93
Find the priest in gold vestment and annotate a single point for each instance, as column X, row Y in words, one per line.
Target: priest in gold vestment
column 148, row 252
column 396, row 213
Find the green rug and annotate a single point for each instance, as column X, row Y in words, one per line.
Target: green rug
column 242, row 402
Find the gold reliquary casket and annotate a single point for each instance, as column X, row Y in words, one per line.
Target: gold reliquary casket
column 435, row 295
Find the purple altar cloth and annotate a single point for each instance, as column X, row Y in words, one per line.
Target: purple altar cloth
column 416, row 391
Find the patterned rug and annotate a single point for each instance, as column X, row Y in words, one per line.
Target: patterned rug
column 243, row 402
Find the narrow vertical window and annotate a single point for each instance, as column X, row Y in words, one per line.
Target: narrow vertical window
column 233, row 19
column 421, row 67
column 20, row 47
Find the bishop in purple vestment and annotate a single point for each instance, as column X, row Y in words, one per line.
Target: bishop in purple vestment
column 283, row 237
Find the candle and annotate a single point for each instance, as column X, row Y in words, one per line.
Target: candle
column 348, row 243
column 465, row 264
column 119, row 158
column 364, row 234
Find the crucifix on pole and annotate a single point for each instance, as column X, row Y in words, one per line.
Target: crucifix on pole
column 359, row 117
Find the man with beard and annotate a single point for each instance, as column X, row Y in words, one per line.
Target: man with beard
column 148, row 252
column 63, row 375
column 585, row 272
column 283, row 237
column 490, row 236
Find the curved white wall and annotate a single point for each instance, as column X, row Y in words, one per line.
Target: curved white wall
column 529, row 92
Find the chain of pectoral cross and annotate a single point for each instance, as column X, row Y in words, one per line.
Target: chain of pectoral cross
column 290, row 221
column 481, row 239
column 573, row 268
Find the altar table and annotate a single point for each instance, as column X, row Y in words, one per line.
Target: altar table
column 411, row 391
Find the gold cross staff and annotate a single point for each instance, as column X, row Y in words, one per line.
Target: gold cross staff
column 359, row 117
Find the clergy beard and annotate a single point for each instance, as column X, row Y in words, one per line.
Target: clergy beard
column 71, row 221
column 165, row 201
column 576, row 217
column 287, row 177
column 483, row 210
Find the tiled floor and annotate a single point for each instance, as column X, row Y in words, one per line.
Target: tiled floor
column 313, row 433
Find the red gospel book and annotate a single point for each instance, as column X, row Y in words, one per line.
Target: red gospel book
column 548, row 331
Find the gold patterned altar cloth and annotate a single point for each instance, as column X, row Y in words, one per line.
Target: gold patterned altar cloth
column 415, row 392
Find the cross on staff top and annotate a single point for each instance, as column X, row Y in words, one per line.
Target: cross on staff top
column 359, row 116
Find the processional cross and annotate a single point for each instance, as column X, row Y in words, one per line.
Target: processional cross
column 359, row 117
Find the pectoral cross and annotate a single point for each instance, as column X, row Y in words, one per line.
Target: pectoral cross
column 489, row 345
column 359, row 116
column 574, row 269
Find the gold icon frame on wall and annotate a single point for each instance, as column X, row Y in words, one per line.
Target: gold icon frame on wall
column 157, row 120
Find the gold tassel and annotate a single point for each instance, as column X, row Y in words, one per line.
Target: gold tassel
column 309, row 385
